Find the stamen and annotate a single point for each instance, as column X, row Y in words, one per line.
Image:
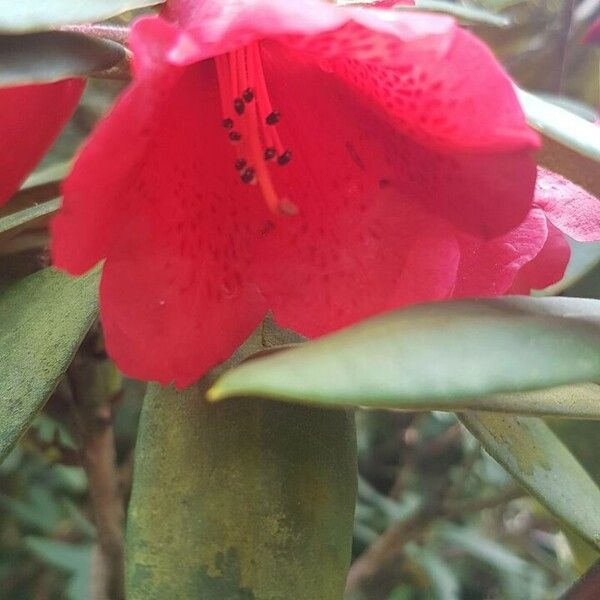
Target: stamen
column 248, row 175
column 244, row 89
column 272, row 118
column 224, row 86
column 263, row 100
column 284, row 158
column 239, row 106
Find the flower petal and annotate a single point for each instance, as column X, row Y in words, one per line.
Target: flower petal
column 434, row 82
column 31, row 117
column 445, row 91
column 489, row 268
column 175, row 224
column 173, row 305
column 362, row 242
column 568, row 206
column 91, row 216
column 547, row 267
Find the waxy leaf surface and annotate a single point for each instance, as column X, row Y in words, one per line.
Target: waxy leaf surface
column 528, row 449
column 43, row 319
column 35, row 15
column 450, row 355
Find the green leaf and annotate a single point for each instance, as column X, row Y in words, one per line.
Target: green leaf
column 561, row 125
column 74, row 559
column 45, row 175
column 44, row 318
column 246, row 500
column 449, row 355
column 444, row 582
column 584, row 259
column 482, row 548
column 22, row 217
column 54, row 55
column 471, row 14
column 541, row 463
column 36, row 15
column 571, row 145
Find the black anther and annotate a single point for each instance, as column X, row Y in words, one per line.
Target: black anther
column 239, row 106
column 285, row 158
column 248, row 175
column 273, row 118
column 270, row 153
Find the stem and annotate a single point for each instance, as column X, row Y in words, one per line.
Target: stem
column 92, row 417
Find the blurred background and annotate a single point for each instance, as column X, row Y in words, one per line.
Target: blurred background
column 436, row 517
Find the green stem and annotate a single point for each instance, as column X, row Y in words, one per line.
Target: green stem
column 243, row 500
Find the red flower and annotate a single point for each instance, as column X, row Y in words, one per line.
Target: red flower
column 404, row 139
column 31, row 117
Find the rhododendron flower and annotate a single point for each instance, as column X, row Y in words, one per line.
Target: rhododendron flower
column 31, row 117
column 322, row 162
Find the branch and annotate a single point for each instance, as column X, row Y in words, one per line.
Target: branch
column 91, row 406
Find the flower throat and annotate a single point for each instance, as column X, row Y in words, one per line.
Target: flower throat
column 251, row 122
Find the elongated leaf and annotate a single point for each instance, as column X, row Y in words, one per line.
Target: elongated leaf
column 437, row 356
column 43, row 176
column 54, row 55
column 584, row 259
column 573, row 165
column 43, row 319
column 36, row 15
column 561, row 130
column 74, row 559
column 471, row 14
column 245, row 500
column 26, row 215
column 444, row 581
column 541, row 463
column 561, row 125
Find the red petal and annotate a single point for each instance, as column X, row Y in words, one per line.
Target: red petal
column 155, row 193
column 569, row 207
column 97, row 192
column 489, row 268
column 547, row 267
column 434, row 79
column 435, row 83
column 30, row 119
column 361, row 243
column 445, row 91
